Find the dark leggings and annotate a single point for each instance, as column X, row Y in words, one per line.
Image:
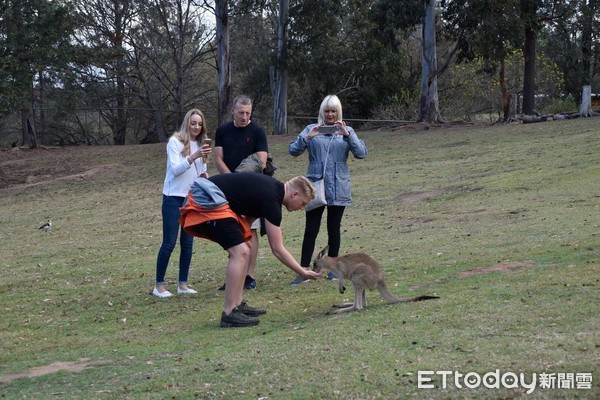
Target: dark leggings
column 311, row 230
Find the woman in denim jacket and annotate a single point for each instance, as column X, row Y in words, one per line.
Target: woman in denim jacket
column 328, row 140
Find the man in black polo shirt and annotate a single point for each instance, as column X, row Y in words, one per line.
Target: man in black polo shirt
column 222, row 209
column 234, row 141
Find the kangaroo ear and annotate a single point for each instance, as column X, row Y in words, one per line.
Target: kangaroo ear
column 323, row 252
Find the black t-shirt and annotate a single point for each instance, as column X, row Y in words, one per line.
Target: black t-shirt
column 253, row 195
column 239, row 143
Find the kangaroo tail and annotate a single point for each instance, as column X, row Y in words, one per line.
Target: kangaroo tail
column 386, row 295
column 390, row 298
column 418, row 298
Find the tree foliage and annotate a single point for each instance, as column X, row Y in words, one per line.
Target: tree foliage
column 34, row 44
column 124, row 71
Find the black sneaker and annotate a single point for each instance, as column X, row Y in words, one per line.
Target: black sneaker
column 251, row 311
column 237, row 319
column 249, row 283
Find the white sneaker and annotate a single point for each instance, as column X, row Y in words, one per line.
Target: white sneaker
column 164, row 294
column 186, row 291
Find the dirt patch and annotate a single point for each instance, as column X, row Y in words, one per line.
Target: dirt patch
column 33, row 180
column 507, row 267
column 70, row 366
column 504, row 267
column 417, row 197
column 22, row 168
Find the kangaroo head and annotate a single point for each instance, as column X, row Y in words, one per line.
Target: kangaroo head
column 319, row 262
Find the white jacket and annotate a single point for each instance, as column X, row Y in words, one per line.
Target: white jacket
column 180, row 174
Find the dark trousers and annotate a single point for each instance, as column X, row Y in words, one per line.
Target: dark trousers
column 311, row 230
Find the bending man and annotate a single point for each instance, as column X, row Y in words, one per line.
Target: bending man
column 223, row 208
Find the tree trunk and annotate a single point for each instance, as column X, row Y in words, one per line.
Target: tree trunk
column 512, row 107
column 587, row 41
column 529, row 71
column 28, row 130
column 223, row 61
column 120, row 114
column 429, row 110
column 279, row 74
column 160, row 128
column 504, row 91
column 43, row 131
column 157, row 112
column 120, row 125
column 586, row 102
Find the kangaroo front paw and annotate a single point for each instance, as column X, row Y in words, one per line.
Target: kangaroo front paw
column 342, row 289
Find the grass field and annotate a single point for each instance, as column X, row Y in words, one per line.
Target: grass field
column 502, row 223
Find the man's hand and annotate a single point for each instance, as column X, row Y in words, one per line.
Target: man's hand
column 310, row 274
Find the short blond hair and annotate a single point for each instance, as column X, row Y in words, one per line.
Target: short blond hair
column 330, row 102
column 303, row 185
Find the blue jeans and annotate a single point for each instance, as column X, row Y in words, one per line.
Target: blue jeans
column 171, row 228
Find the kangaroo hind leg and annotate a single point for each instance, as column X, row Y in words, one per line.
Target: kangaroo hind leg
column 347, row 307
column 360, row 300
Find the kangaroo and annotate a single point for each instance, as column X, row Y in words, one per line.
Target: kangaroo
column 365, row 273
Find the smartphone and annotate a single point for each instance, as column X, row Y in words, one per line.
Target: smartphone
column 328, row 129
column 206, row 141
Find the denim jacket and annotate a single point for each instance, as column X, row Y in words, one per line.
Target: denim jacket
column 337, row 174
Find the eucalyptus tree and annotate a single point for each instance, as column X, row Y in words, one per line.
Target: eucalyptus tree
column 34, row 45
column 253, row 43
column 106, row 25
column 331, row 51
column 534, row 14
column 486, row 30
column 589, row 63
column 223, row 11
column 573, row 43
column 316, row 62
column 406, row 15
column 429, row 110
column 590, row 40
column 279, row 71
column 301, row 51
column 171, row 59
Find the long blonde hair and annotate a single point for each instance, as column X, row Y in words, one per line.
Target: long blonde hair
column 184, row 135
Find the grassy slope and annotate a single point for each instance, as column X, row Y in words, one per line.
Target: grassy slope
column 427, row 205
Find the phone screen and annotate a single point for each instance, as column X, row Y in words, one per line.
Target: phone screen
column 327, row 129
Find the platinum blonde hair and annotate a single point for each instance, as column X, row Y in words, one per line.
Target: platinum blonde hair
column 330, row 102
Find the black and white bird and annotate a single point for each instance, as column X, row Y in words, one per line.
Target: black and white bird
column 46, row 226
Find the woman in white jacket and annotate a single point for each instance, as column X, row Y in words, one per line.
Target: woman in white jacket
column 329, row 143
column 186, row 160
